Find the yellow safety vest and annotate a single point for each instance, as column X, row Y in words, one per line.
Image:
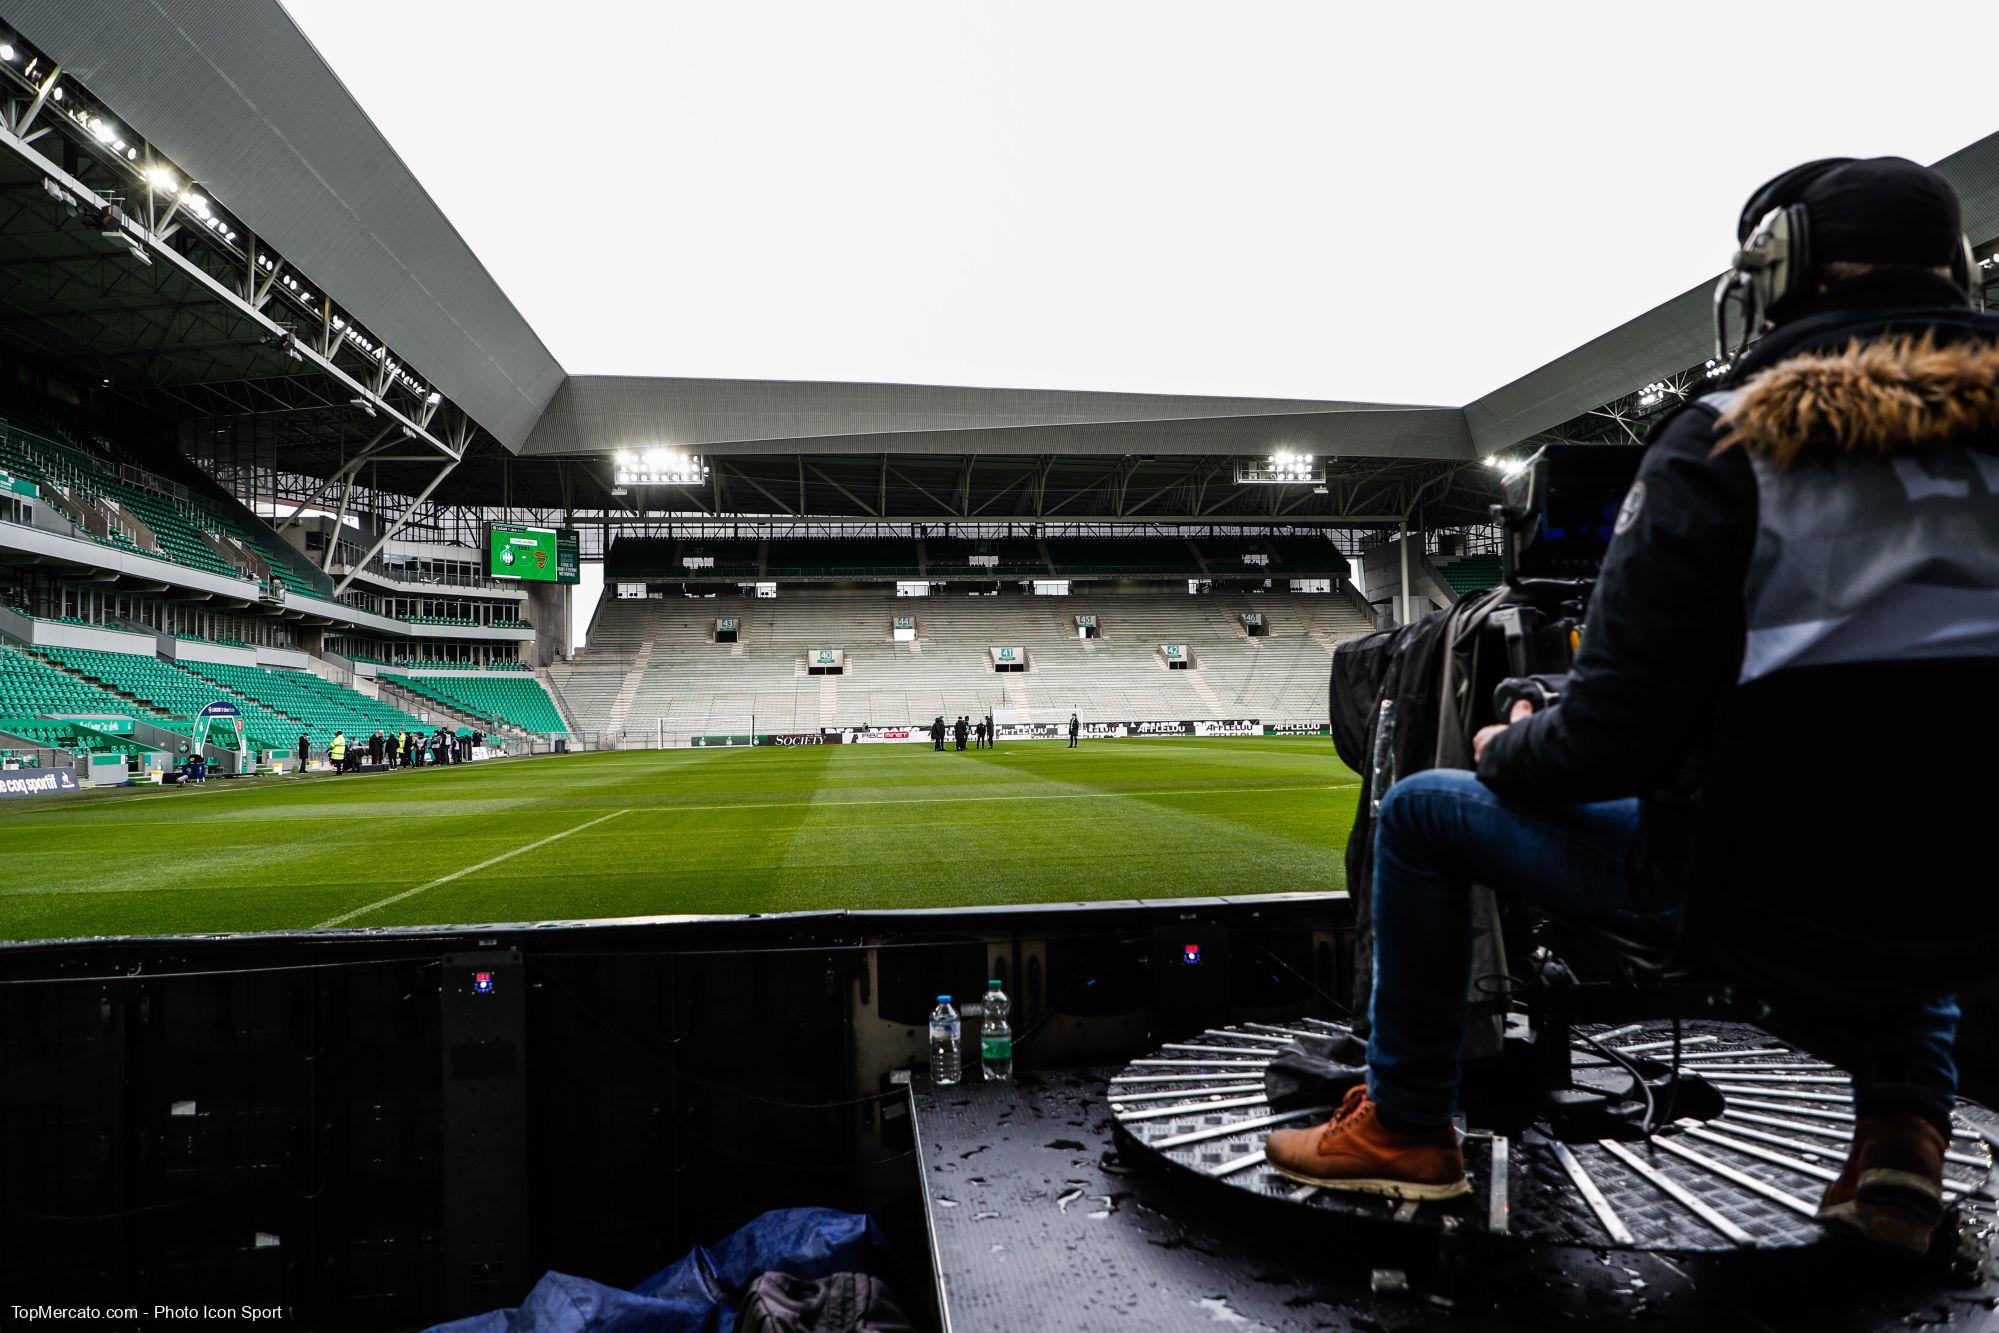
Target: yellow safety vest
column 338, row 750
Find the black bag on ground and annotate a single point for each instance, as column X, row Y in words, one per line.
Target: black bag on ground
column 1314, row 1071
column 838, row 1303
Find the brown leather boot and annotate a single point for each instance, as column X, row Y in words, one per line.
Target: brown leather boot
column 1355, row 1151
column 1891, row 1190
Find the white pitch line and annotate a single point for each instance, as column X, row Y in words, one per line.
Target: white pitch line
column 345, row 917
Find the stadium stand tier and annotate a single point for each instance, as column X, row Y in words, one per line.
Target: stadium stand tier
column 514, row 699
column 1151, row 557
column 31, row 688
column 846, row 557
column 178, row 526
column 429, row 665
column 1471, row 573
column 634, row 559
column 652, row 664
column 1002, row 558
column 277, row 704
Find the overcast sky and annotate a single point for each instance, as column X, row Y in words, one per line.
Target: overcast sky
column 1399, row 203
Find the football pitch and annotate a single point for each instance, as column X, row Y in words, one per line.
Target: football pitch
column 637, row 833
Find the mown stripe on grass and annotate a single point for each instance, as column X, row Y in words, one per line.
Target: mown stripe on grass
column 975, row 798
column 345, row 917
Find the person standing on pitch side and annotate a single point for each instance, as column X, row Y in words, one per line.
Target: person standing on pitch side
column 1075, row 730
column 304, row 750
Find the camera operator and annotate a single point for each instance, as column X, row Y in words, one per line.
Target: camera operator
column 1771, row 526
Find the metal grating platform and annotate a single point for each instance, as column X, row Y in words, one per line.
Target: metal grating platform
column 1746, row 1179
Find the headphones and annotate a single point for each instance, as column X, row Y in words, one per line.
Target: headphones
column 1775, row 265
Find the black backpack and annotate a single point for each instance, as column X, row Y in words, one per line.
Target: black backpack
column 1402, row 701
column 838, row 1303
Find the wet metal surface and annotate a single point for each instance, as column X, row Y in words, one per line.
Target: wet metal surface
column 1712, row 1188
column 1040, row 1222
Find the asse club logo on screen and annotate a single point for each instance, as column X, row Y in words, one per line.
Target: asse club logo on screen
column 537, row 555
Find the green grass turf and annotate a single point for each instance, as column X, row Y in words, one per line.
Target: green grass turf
column 695, row 831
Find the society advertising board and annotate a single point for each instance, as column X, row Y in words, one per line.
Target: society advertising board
column 533, row 555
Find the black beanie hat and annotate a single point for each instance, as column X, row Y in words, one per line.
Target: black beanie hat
column 1877, row 210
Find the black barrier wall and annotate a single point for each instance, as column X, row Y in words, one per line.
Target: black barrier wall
column 380, row 1130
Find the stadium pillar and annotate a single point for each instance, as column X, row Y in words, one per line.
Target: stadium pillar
column 1402, row 542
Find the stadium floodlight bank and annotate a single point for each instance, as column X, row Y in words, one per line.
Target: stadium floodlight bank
column 658, row 467
column 1283, row 468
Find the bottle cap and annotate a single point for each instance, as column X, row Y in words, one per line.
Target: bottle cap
column 943, row 999
column 994, row 983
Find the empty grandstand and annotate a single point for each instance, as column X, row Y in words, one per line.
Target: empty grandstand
column 654, row 670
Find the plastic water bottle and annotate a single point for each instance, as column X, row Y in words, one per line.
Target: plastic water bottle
column 996, row 1035
column 945, row 1030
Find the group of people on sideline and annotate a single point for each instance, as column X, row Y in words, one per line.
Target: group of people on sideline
column 405, row 749
column 979, row 732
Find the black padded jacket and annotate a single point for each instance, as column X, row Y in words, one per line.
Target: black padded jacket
column 1663, row 635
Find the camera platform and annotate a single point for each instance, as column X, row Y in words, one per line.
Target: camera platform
column 1747, row 1136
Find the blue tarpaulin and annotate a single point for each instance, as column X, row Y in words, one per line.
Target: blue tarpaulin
column 700, row 1291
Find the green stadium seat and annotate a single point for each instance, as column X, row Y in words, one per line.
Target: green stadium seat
column 635, row 558
column 949, row 557
column 177, row 520
column 1152, row 557
column 510, row 697
column 1471, row 573
column 845, row 557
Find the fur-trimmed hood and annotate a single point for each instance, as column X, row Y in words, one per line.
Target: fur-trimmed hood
column 1902, row 395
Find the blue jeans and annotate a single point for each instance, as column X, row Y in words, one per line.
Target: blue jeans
column 1440, row 831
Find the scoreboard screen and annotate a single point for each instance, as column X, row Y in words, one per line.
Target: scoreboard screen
column 538, row 555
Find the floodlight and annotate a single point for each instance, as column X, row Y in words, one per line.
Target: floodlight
column 162, row 180
column 1284, row 467
column 6, row 52
column 657, row 466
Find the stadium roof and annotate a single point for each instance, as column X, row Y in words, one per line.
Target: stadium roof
column 233, row 94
